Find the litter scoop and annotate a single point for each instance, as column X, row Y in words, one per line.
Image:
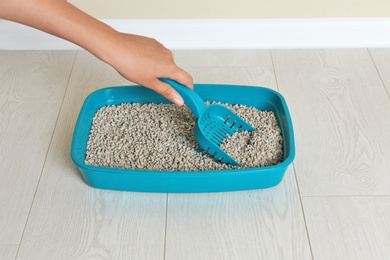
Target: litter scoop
column 213, row 123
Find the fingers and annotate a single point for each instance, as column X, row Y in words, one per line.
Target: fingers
column 168, row 92
column 182, row 77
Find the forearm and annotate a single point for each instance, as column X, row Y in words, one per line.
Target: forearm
column 60, row 18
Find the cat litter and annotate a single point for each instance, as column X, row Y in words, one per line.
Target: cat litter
column 160, row 137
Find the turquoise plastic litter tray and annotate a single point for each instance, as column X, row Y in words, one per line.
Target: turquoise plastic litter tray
column 191, row 181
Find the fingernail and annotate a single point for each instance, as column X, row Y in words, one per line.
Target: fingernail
column 178, row 101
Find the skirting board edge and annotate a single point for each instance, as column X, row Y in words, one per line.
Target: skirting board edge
column 224, row 34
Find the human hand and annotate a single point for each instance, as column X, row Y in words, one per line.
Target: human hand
column 143, row 61
column 139, row 59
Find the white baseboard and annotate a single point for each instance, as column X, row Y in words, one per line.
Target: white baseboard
column 225, row 34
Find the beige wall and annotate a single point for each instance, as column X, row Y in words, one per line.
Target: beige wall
column 232, row 9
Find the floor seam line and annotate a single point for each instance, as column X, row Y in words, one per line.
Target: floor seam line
column 165, row 229
column 377, row 71
column 47, row 153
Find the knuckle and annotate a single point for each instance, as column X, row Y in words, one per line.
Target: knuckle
column 165, row 91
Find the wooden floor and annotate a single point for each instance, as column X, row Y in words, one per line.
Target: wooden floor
column 334, row 202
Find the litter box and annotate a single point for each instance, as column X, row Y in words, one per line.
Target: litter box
column 191, row 181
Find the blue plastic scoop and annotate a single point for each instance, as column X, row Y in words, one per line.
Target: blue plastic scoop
column 213, row 123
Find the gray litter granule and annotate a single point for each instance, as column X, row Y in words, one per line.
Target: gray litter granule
column 160, row 137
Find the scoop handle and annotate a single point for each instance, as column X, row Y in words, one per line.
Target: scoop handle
column 191, row 98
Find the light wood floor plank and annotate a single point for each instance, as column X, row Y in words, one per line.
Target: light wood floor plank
column 260, row 224
column 348, row 227
column 381, row 58
column 226, row 67
column 251, row 76
column 8, row 252
column 221, row 58
column 32, row 86
column 70, row 220
column 338, row 105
